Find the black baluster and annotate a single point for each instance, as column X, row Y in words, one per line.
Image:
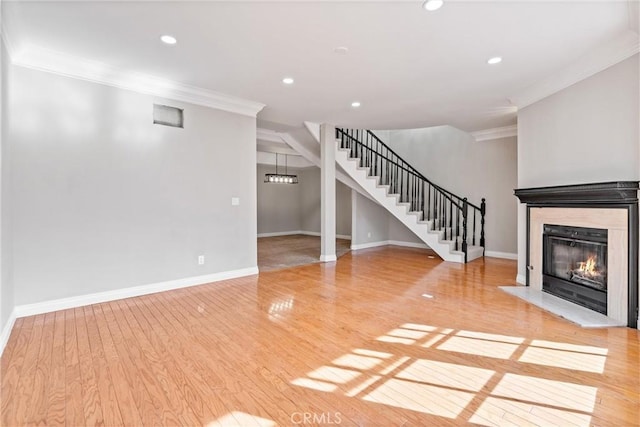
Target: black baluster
column 428, row 202
column 457, row 227
column 474, row 227
column 464, row 227
column 483, row 209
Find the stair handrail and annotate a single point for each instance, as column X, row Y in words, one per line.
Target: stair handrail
column 413, row 188
column 417, row 172
column 409, row 169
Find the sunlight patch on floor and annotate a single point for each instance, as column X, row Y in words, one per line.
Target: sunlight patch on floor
column 446, row 374
column 446, row 389
column 241, row 419
column 361, row 387
column 423, row 398
column 561, row 394
column 333, row 374
column 502, row 412
column 424, row 328
column 479, row 347
column 490, row 337
column 357, row 361
column 564, row 359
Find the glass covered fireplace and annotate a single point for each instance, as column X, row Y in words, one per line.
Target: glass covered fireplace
column 574, row 265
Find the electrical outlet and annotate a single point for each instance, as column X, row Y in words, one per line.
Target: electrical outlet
column 369, row 234
column 235, row 201
column 201, row 260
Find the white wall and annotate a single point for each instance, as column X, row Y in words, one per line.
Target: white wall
column 6, row 287
column 103, row 200
column 589, row 132
column 452, row 159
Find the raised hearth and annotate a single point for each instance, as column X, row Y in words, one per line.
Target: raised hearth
column 582, row 245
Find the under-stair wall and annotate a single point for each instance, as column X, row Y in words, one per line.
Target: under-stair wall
column 480, row 169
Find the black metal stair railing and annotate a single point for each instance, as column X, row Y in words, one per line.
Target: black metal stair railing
column 446, row 210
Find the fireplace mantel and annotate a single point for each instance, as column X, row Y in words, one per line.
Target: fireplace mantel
column 608, row 205
column 580, row 194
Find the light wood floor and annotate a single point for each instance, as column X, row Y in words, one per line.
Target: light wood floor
column 275, row 253
column 384, row 337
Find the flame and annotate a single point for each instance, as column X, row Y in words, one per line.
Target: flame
column 588, row 267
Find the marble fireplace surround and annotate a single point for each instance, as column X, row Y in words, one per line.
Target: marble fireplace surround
column 612, row 206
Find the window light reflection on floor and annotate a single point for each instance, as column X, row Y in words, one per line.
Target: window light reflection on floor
column 446, row 389
column 241, row 419
column 568, row 356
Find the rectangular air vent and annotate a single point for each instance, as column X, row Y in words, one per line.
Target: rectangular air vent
column 168, row 116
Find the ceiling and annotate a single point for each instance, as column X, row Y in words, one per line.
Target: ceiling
column 408, row 67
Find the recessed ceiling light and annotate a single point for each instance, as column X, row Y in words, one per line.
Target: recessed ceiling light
column 494, row 60
column 355, row 104
column 432, row 5
column 341, row 50
column 287, row 80
column 168, row 39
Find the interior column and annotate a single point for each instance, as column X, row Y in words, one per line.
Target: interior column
column 327, row 193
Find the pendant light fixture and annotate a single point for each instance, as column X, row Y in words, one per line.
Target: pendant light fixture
column 278, row 178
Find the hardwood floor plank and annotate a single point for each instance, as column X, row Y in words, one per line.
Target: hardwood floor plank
column 149, row 406
column 354, row 339
column 56, row 384
column 74, row 409
column 91, row 403
column 110, row 408
column 126, row 403
column 12, row 364
column 39, row 403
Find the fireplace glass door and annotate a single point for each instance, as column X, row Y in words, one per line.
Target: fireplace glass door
column 575, row 265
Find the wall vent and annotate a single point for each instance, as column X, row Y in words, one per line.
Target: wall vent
column 168, row 116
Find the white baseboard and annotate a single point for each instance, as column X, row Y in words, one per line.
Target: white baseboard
column 521, row 279
column 6, row 331
column 306, row 233
column 496, row 254
column 368, row 245
column 311, row 233
column 99, row 297
column 408, row 244
column 328, row 258
column 279, row 233
column 389, row 242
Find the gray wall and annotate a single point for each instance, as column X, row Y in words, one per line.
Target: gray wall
column 310, row 203
column 371, row 220
column 310, row 199
column 102, row 199
column 6, row 287
column 451, row 158
column 278, row 204
column 399, row 232
column 588, row 132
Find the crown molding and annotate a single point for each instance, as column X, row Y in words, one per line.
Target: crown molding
column 269, row 135
column 495, row 133
column 49, row 61
column 599, row 59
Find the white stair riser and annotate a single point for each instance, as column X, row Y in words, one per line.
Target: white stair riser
column 400, row 210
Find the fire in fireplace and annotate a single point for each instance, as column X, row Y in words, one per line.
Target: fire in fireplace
column 575, row 265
